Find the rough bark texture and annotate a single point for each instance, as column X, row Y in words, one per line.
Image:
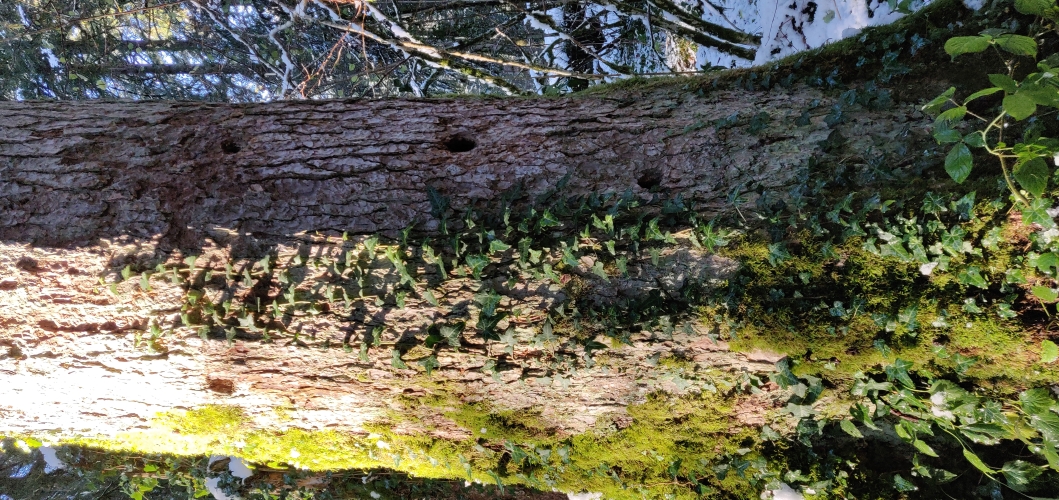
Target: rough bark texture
column 87, row 188
column 77, row 172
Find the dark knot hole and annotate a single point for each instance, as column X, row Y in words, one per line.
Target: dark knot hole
column 650, row 179
column 230, row 147
column 459, row 143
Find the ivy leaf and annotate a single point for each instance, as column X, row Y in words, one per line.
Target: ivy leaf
column 972, row 276
column 899, row 372
column 1017, row 44
column 1037, row 213
column 903, row 485
column 396, row 361
column 548, row 220
column 799, row 411
column 477, row 263
column 958, row 163
column 1046, row 294
column 958, row 45
column 429, row 364
column 850, row 428
column 498, row 246
column 1033, row 176
column 452, row 333
column 1049, row 351
column 1047, row 261
column 778, row 253
column 869, row 387
column 1019, row 106
column 509, row 339
column 430, row 297
column 597, row 268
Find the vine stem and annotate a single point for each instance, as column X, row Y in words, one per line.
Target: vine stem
column 1011, row 185
column 1003, row 164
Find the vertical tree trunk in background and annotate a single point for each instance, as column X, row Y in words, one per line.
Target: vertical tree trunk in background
column 89, row 188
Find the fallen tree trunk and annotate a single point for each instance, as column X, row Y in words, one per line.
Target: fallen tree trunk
column 106, row 320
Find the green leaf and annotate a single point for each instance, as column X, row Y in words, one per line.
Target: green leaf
column 429, row 364
column 1037, row 213
column 1047, row 423
column 1004, row 82
column 1036, row 401
column 396, row 361
column 850, row 428
column 899, row 371
column 1049, row 351
column 935, row 104
column 430, row 297
column 869, row 387
column 597, row 268
column 1017, row 44
column 903, row 485
column 1019, row 106
column 974, row 139
column 987, row 434
column 958, row 163
column 477, row 263
column 799, row 411
column 370, row 244
column 498, row 246
column 1033, row 176
column 1019, row 474
column 966, row 45
column 769, row 434
column 944, row 133
column 1047, row 262
column 982, row 93
column 1046, row 294
column 1035, row 7
column 924, row 448
column 972, row 276
column 977, row 462
column 548, row 220
column 953, row 115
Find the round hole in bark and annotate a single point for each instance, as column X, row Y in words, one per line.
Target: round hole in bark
column 650, row 179
column 459, row 143
column 230, row 147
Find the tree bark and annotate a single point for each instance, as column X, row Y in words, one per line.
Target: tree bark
column 88, row 188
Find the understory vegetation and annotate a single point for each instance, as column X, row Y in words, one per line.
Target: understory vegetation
column 917, row 314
